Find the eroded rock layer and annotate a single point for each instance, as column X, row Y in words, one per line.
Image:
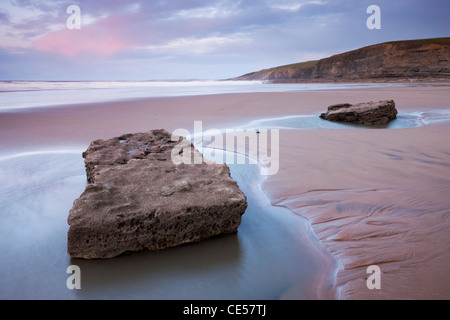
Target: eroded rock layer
column 380, row 112
column 138, row 198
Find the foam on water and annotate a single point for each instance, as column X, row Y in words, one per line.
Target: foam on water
column 314, row 122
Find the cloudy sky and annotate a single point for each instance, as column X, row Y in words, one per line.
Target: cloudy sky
column 195, row 39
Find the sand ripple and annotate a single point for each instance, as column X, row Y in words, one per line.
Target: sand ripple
column 379, row 197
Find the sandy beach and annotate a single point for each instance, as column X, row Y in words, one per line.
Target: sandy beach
column 372, row 197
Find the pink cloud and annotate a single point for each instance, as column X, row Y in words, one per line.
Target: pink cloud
column 104, row 38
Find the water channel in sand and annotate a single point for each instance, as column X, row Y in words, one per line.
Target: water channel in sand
column 272, row 254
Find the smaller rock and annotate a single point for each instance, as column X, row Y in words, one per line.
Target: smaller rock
column 380, row 112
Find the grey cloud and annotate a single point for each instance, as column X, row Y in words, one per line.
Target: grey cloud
column 236, row 37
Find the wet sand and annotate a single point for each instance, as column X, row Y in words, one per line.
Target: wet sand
column 376, row 198
column 273, row 255
column 372, row 196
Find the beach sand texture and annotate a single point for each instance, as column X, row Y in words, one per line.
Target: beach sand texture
column 373, row 197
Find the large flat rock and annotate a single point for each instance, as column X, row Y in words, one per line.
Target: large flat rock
column 380, row 112
column 137, row 198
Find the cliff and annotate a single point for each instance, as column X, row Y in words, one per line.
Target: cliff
column 426, row 59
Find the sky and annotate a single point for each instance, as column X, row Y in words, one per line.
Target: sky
column 195, row 39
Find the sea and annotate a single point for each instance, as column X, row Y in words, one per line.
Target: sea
column 32, row 94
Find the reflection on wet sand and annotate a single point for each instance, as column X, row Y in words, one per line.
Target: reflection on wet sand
column 266, row 259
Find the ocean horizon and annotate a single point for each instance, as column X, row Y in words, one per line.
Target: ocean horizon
column 32, row 94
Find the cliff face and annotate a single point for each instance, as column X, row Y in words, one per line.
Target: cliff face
column 412, row 59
